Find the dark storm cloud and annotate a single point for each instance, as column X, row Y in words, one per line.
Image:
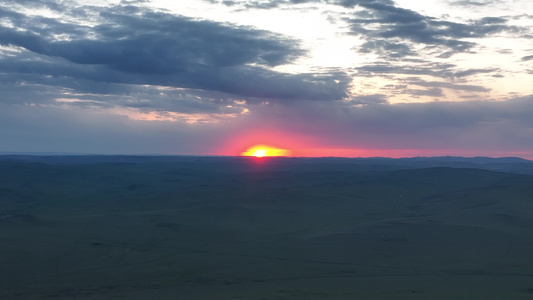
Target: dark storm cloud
column 527, row 58
column 139, row 46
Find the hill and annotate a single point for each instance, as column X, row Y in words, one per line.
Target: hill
column 242, row 228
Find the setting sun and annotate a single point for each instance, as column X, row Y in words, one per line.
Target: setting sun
column 264, row 150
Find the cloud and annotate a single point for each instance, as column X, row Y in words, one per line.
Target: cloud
column 369, row 99
column 384, row 25
column 469, row 125
column 433, row 92
column 50, row 4
column 474, row 3
column 264, row 4
column 393, row 31
column 399, row 41
column 366, row 122
column 139, row 46
column 437, row 79
column 420, row 67
column 76, row 130
column 470, row 72
column 387, row 49
column 450, row 85
column 173, row 44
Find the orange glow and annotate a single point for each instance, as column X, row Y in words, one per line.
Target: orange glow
column 264, row 150
column 302, row 145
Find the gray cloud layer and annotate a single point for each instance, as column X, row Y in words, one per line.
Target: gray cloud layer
column 476, row 125
column 406, row 41
column 139, row 46
column 396, row 27
column 485, row 127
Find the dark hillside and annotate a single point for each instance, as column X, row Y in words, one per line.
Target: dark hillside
column 233, row 228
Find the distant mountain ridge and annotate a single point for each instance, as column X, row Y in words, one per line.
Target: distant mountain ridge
column 504, row 164
column 477, row 159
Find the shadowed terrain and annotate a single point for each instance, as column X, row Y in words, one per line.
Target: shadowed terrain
column 273, row 228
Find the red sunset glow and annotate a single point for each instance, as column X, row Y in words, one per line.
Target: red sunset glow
column 265, row 150
column 304, row 145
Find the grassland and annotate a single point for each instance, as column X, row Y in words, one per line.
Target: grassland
column 239, row 228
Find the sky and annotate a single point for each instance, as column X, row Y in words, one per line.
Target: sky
column 354, row 78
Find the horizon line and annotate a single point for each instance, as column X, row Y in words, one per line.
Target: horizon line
column 15, row 153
